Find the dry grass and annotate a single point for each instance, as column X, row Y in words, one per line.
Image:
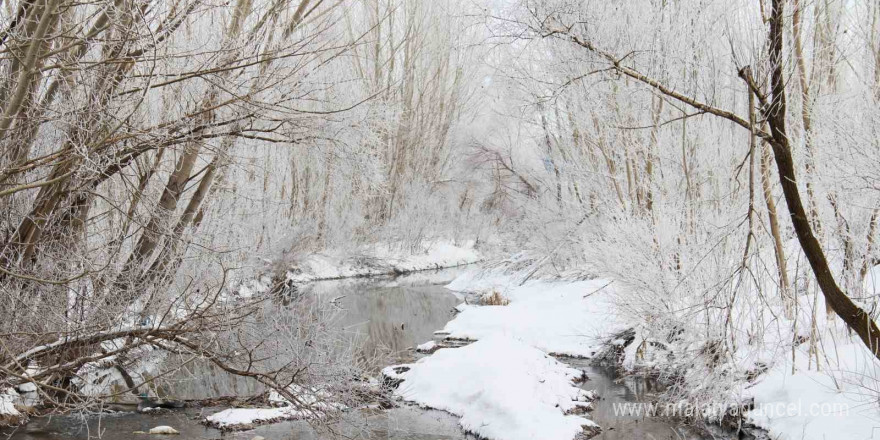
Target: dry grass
column 494, row 298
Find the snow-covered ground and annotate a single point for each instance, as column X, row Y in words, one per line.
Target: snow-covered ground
column 506, row 386
column 838, row 403
column 501, row 387
column 565, row 318
column 577, row 317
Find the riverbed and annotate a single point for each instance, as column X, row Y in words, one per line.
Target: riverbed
column 388, row 316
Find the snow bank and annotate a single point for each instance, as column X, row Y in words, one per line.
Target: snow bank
column 575, row 318
column 383, row 259
column 313, row 403
column 235, row 419
column 566, row 318
column 247, row 418
column 9, row 415
column 817, row 405
column 427, row 347
column 502, row 389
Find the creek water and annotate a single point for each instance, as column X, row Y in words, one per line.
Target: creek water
column 392, row 315
column 621, row 399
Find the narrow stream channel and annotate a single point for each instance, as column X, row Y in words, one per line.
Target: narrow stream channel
column 619, row 393
column 392, row 315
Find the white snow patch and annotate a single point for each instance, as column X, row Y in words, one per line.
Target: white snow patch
column 247, row 418
column 427, row 347
column 567, row 318
column 164, row 429
column 313, row 403
column 502, row 389
column 235, row 418
column 8, row 397
column 253, row 287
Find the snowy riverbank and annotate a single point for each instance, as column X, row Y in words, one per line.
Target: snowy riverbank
column 502, row 388
column 507, row 384
column 578, row 318
column 381, row 259
column 101, row 378
column 373, row 260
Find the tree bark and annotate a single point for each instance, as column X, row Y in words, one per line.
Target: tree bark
column 773, row 219
column 774, row 111
column 854, row 316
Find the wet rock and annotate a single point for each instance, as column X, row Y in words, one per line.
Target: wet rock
column 589, row 432
column 448, row 342
column 428, row 347
column 392, row 376
column 580, row 409
column 146, row 403
column 582, row 378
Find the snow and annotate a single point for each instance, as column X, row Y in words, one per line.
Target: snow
column 819, row 405
column 246, row 418
column 8, row 397
column 871, row 284
column 427, row 347
column 577, row 317
column 383, row 259
column 566, row 318
column 306, row 396
column 502, row 388
column 312, row 404
column 505, row 386
column 99, row 378
column 255, row 286
column 164, row 430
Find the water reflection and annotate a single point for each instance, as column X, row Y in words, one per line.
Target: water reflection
column 387, row 321
column 406, row 423
column 381, row 319
column 618, row 393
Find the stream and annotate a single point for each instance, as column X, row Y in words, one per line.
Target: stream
column 391, row 314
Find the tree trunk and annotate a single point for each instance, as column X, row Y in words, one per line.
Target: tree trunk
column 779, row 250
column 854, row 316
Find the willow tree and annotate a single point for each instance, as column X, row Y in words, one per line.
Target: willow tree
column 122, row 126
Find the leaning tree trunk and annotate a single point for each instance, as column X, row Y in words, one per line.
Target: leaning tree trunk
column 775, row 111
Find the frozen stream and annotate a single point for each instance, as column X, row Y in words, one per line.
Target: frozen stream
column 392, row 314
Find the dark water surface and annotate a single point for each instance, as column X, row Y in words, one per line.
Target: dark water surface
column 618, row 393
column 406, row 423
column 387, row 316
column 390, row 316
